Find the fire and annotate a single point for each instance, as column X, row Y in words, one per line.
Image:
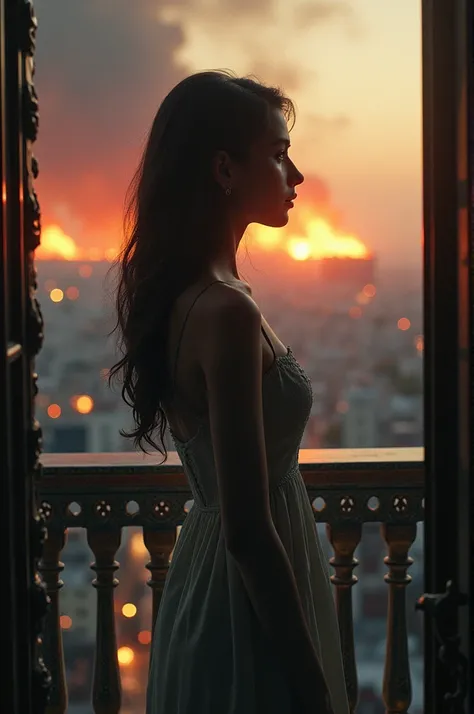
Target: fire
column 313, row 237
column 56, row 244
column 325, row 242
column 299, row 249
column 317, row 239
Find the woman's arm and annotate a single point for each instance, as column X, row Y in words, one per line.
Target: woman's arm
column 231, row 361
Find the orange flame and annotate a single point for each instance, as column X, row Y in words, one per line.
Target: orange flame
column 57, row 245
column 318, row 240
column 314, row 238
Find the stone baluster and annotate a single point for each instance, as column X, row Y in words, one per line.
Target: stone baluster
column 159, row 545
column 50, row 568
column 107, row 695
column 397, row 681
column 344, row 538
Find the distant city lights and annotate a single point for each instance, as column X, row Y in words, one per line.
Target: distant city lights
column 420, row 343
column 369, row 290
column 125, row 655
column 66, row 622
column 54, row 411
column 137, row 545
column 355, row 312
column 56, row 295
column 72, row 293
column 129, row 609
column 362, row 298
column 82, row 403
column 144, row 637
column 85, row 270
column 404, row 323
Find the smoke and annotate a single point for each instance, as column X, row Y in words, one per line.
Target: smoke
column 102, row 69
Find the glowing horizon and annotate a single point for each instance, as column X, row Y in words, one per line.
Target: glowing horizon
column 316, row 239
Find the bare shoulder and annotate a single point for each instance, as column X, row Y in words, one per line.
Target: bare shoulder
column 228, row 318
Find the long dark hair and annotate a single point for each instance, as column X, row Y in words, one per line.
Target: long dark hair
column 173, row 214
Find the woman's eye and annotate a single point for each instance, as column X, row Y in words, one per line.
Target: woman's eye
column 281, row 156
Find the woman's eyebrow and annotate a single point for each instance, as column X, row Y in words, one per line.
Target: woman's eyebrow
column 282, row 141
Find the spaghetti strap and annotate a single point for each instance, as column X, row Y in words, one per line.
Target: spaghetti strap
column 184, row 325
column 269, row 342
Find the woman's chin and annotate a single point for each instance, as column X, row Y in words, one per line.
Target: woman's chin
column 278, row 220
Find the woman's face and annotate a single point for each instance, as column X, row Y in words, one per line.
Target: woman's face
column 264, row 184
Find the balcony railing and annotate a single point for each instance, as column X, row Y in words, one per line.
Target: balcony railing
column 104, row 493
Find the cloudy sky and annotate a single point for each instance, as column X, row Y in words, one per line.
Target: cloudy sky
column 352, row 67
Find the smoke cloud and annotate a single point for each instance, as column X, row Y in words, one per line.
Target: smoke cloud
column 102, row 69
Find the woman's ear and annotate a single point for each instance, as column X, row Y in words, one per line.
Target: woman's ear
column 222, row 169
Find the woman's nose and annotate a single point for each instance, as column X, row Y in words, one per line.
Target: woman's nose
column 298, row 177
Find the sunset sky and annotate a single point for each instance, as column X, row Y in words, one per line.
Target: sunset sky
column 353, row 68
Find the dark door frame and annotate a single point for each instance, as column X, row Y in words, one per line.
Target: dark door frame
column 447, row 28
column 25, row 680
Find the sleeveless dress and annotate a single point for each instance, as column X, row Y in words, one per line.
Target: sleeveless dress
column 209, row 653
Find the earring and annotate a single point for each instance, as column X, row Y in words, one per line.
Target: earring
column 228, row 191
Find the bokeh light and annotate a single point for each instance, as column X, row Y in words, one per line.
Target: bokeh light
column 66, row 622
column 369, row 290
column 85, row 270
column 56, row 295
column 54, row 411
column 82, row 403
column 355, row 312
column 404, row 323
column 144, row 637
column 125, row 655
column 129, row 610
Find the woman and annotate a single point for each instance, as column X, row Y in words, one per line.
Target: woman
column 247, row 623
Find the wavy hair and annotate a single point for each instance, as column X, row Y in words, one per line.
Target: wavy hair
column 174, row 211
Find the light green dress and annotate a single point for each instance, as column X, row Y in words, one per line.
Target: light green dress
column 209, row 653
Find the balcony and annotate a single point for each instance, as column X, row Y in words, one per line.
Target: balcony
column 104, row 493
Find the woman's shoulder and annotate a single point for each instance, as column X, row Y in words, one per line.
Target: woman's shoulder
column 205, row 303
column 222, row 307
column 215, row 295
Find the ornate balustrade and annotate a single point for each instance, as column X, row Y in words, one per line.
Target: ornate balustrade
column 104, row 493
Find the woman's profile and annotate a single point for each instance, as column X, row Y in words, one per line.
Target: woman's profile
column 247, row 622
